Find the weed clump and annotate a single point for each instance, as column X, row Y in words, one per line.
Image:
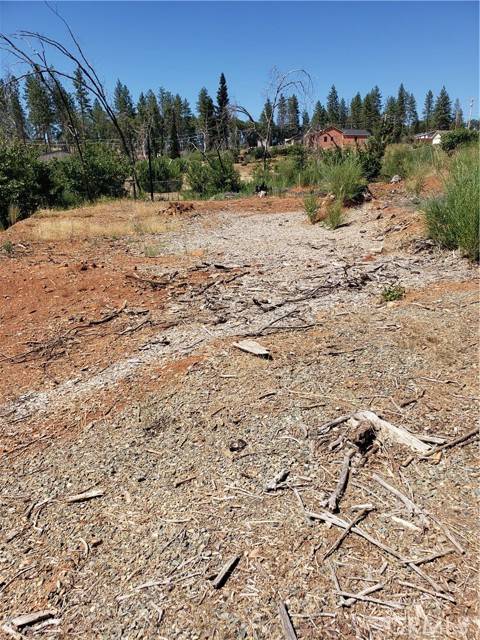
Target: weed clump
column 453, row 219
column 310, row 206
column 393, row 292
column 335, row 216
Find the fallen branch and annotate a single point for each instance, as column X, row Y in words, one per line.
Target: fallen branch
column 357, row 596
column 454, row 442
column 288, row 630
column 341, row 484
column 365, row 592
column 339, row 540
column 398, row 434
column 82, row 497
column 423, row 590
column 225, row 572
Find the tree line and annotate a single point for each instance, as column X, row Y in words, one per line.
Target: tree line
column 41, row 108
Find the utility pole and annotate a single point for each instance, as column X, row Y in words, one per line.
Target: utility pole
column 470, row 113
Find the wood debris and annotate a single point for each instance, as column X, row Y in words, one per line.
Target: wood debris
column 83, row 497
column 225, row 572
column 253, row 347
column 287, row 626
column 31, row 618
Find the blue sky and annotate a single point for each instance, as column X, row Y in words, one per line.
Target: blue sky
column 185, row 45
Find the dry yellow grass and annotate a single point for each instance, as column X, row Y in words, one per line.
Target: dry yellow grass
column 113, row 219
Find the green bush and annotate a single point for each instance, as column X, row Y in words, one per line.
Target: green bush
column 344, row 179
column 453, row 219
column 335, row 216
column 167, row 174
column 217, row 175
column 104, row 174
column 370, row 157
column 395, row 160
column 24, row 183
column 458, row 137
column 310, row 206
column 393, row 292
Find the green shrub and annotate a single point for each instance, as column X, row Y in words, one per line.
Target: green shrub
column 24, row 183
column 310, row 206
column 344, row 179
column 458, row 137
column 395, row 160
column 393, row 292
column 370, row 157
column 104, row 174
column 335, row 216
column 167, row 174
column 453, row 219
column 8, row 248
column 217, row 175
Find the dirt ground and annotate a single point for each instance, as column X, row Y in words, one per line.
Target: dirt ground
column 120, row 376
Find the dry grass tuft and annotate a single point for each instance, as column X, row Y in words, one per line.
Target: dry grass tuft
column 115, row 219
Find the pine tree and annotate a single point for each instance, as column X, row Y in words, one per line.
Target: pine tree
column 101, row 124
column 442, row 113
column 206, row 118
column 356, row 112
column 372, row 111
column 319, row 117
column 389, row 118
column 15, row 109
column 305, row 121
column 83, row 100
column 65, row 114
column 223, row 116
column 282, row 116
column 428, row 110
column 293, row 116
column 333, row 107
column 122, row 101
column 457, row 110
column 157, row 131
column 174, row 145
column 267, row 126
column 342, row 113
column 401, row 115
column 40, row 110
column 412, row 115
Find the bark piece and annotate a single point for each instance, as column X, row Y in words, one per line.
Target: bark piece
column 253, row 347
column 86, row 495
column 288, row 630
column 397, row 434
column 32, row 618
column 225, row 572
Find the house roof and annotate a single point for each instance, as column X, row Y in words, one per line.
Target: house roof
column 346, row 132
column 355, row 132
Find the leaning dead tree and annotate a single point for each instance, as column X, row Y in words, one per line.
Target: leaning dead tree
column 296, row 81
column 31, row 49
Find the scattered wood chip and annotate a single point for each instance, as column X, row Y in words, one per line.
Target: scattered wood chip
column 86, row 495
column 288, row 630
column 383, row 603
column 272, row 485
column 253, row 347
column 225, row 572
column 341, row 484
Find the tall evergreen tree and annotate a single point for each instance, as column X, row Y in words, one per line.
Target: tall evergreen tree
column 389, row 118
column 401, row 115
column 223, row 116
column 305, row 121
column 333, row 107
column 428, row 110
column 442, row 113
column 412, row 115
column 372, row 111
column 342, row 113
column 101, row 125
column 457, row 110
column 356, row 112
column 206, row 118
column 293, row 115
column 15, row 110
column 282, row 116
column 40, row 109
column 63, row 104
column 174, row 144
column 319, row 117
column 267, row 125
column 123, row 101
column 155, row 120
column 82, row 99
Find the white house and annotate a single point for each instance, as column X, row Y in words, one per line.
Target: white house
column 430, row 137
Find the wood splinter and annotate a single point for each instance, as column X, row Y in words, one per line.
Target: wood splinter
column 225, row 572
column 288, row 629
column 341, row 484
